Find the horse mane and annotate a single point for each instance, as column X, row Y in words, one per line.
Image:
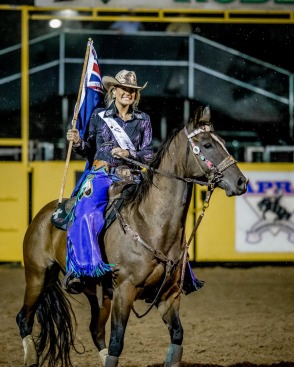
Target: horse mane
column 141, row 190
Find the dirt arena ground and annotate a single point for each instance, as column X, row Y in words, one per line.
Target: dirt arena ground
column 242, row 317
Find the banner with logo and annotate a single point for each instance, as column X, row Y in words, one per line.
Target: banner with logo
column 265, row 214
column 173, row 4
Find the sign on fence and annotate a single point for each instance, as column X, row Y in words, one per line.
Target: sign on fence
column 264, row 215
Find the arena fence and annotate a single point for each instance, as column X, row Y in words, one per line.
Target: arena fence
column 257, row 226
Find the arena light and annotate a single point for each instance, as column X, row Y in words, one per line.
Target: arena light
column 55, row 23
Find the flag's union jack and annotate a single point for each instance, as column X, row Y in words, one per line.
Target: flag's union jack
column 93, row 71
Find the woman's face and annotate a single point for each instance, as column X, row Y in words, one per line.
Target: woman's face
column 125, row 96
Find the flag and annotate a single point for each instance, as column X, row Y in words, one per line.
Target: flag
column 91, row 97
column 91, row 93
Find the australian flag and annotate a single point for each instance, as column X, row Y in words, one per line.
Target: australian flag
column 91, row 93
column 91, row 98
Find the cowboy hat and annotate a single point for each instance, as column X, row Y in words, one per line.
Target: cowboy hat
column 123, row 78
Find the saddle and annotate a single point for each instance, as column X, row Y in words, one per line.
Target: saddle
column 118, row 191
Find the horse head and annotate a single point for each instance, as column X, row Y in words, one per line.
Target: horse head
column 208, row 156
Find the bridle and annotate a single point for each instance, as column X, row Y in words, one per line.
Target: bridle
column 216, row 172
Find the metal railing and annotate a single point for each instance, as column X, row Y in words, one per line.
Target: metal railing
column 188, row 66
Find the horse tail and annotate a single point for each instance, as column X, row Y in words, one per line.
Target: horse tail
column 57, row 323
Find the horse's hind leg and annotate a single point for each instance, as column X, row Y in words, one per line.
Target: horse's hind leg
column 169, row 310
column 25, row 318
column 35, row 281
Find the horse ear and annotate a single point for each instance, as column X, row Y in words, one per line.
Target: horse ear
column 206, row 114
column 197, row 116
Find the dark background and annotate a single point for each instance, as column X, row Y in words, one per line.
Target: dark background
column 272, row 43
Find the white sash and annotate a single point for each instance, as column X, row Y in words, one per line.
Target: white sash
column 120, row 135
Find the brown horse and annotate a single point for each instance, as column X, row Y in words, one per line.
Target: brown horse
column 146, row 244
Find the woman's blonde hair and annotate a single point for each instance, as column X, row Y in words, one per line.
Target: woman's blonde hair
column 109, row 98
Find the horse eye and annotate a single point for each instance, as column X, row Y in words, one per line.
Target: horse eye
column 207, row 146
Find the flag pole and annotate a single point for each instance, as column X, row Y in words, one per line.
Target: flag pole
column 74, row 121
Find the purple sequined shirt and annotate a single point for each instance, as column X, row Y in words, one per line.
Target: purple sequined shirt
column 101, row 141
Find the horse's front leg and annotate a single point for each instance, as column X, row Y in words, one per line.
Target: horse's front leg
column 169, row 311
column 99, row 317
column 123, row 300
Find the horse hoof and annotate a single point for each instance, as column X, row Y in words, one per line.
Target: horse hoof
column 174, row 356
column 111, row 361
column 30, row 357
column 103, row 354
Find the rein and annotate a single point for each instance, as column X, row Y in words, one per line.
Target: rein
column 213, row 176
column 163, row 173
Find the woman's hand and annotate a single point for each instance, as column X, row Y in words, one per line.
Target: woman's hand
column 119, row 152
column 73, row 135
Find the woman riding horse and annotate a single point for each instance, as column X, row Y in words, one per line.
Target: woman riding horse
column 117, row 131
column 147, row 245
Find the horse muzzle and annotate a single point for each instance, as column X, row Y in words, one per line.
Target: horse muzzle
column 239, row 187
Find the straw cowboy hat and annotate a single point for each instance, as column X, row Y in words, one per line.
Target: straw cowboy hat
column 123, row 78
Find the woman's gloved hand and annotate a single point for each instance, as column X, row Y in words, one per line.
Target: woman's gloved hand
column 119, row 152
column 73, row 135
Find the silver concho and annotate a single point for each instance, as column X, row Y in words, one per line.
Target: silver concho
column 196, row 149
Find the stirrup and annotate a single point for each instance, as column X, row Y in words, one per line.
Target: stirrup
column 72, row 285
